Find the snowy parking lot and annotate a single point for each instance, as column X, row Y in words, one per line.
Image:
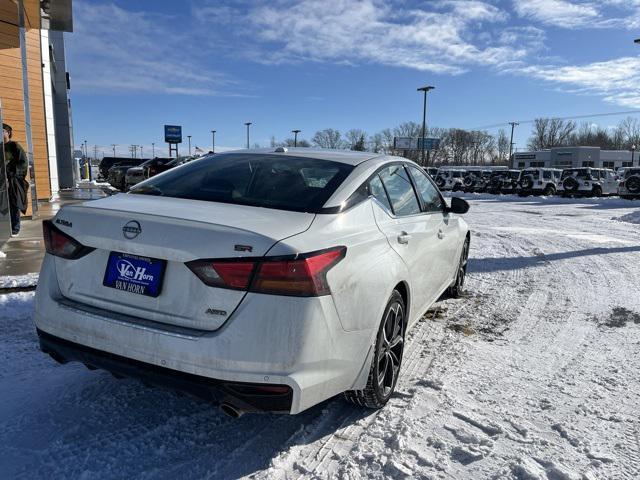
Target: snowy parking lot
column 534, row 375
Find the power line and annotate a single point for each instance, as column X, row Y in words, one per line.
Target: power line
column 572, row 117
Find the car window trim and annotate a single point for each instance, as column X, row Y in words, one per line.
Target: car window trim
column 420, row 199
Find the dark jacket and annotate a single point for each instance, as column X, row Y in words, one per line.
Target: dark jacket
column 17, row 166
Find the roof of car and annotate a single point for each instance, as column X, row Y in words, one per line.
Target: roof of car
column 343, row 156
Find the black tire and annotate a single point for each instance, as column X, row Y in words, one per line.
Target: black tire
column 387, row 357
column 549, row 191
column 457, row 288
column 597, row 191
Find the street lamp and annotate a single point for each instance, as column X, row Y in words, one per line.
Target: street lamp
column 213, row 141
column 141, row 155
column 189, row 137
column 248, row 124
column 113, row 145
column 633, row 151
column 295, row 137
column 153, row 150
column 424, row 116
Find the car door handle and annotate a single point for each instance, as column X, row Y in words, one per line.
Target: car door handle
column 404, row 238
column 440, row 234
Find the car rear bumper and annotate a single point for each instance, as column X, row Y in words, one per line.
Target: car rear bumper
column 245, row 397
column 283, row 341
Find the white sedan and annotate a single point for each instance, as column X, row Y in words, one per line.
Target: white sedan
column 264, row 280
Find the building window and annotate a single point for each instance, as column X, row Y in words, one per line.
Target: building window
column 537, row 164
column 627, row 164
column 588, row 164
column 608, row 164
column 520, row 164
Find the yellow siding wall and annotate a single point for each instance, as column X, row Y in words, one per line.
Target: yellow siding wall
column 11, row 93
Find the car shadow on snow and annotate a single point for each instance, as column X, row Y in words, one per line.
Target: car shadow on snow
column 489, row 264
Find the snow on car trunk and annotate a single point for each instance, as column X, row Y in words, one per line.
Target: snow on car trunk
column 142, row 244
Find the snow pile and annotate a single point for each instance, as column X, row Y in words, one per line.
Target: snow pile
column 633, row 217
column 19, row 281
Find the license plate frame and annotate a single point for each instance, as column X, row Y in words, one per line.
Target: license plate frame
column 134, row 274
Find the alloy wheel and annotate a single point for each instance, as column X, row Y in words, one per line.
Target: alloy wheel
column 390, row 349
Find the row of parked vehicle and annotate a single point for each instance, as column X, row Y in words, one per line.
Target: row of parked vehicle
column 569, row 182
column 124, row 173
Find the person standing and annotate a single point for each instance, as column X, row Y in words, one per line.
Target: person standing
column 17, row 166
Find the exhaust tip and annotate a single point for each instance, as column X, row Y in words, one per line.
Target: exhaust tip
column 230, row 411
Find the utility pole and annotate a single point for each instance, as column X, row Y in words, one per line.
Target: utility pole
column 189, row 137
column 513, row 126
column 113, row 145
column 213, row 141
column 633, row 152
column 295, row 137
column 153, row 150
column 424, row 89
column 248, row 124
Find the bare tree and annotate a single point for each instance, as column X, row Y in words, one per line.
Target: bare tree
column 356, row 139
column 503, row 147
column 551, row 132
column 630, row 128
column 328, row 138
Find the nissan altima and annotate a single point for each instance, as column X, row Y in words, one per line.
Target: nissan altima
column 263, row 280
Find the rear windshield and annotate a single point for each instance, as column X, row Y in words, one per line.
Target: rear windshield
column 271, row 181
column 534, row 173
column 515, row 174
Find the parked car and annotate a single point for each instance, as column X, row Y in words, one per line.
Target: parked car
column 503, row 181
column 135, row 175
column 590, row 182
column 432, row 171
column 268, row 280
column 477, row 181
column 539, row 181
column 154, row 170
column 118, row 172
column 630, row 185
column 450, row 179
column 107, row 162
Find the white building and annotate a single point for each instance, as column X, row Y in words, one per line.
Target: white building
column 574, row 157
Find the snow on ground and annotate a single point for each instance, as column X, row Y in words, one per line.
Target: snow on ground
column 633, row 217
column 534, row 375
column 19, row 281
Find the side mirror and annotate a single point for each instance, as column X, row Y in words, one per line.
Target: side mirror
column 458, row 205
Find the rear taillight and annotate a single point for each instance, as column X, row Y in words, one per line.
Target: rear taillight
column 302, row 275
column 60, row 244
column 235, row 275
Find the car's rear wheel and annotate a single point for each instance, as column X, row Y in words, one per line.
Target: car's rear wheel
column 549, row 191
column 456, row 290
column 387, row 358
column 597, row 191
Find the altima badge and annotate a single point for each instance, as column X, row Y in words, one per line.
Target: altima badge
column 131, row 230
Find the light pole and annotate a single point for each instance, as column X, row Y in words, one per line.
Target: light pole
column 113, row 145
column 141, row 155
column 248, row 124
column 513, row 126
column 633, row 151
column 424, row 117
column 189, row 137
column 213, row 141
column 295, row 137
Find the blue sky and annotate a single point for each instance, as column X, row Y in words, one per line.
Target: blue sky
column 314, row 64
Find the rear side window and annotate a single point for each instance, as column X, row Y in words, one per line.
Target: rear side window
column 427, row 190
column 398, row 186
column 271, row 181
column 377, row 190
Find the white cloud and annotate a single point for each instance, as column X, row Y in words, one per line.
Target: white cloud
column 614, row 80
column 581, row 13
column 444, row 39
column 117, row 50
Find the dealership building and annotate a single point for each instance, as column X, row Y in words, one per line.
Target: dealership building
column 574, row 157
column 34, row 91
